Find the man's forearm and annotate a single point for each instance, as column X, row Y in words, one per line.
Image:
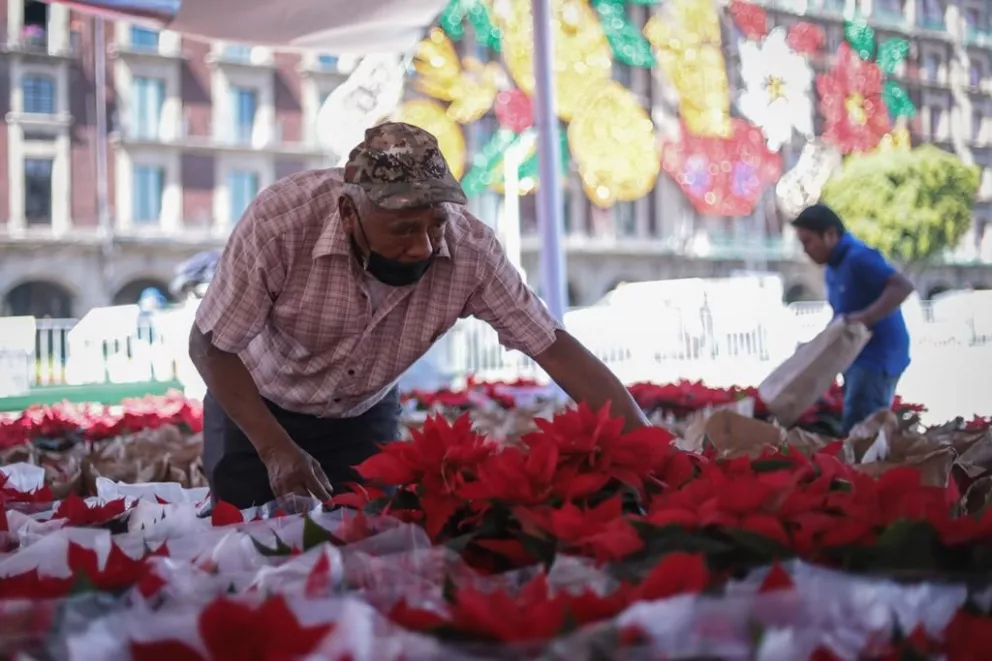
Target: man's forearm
column 586, row 379
column 893, row 296
column 230, row 383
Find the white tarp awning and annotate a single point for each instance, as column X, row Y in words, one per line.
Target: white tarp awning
column 336, row 26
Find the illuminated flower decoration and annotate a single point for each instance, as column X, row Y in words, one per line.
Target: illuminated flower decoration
column 750, row 19
column 806, row 38
column 778, row 83
column 723, row 176
column 514, row 110
column 851, row 102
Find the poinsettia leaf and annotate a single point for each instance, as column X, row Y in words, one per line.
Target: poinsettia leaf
column 762, row 549
column 82, row 583
column 315, row 535
column 280, row 549
column 458, row 544
column 542, row 549
column 772, row 465
column 449, row 590
column 908, row 545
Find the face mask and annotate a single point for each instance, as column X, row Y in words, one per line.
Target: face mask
column 390, row 271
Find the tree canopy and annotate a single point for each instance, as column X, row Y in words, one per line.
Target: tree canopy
column 911, row 205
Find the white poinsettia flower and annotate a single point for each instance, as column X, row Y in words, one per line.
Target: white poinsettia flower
column 778, row 89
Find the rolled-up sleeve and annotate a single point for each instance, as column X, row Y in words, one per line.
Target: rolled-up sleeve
column 248, row 279
column 506, row 303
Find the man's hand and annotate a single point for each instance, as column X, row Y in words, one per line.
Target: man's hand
column 858, row 318
column 293, row 471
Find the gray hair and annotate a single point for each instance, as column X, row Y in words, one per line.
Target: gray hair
column 360, row 199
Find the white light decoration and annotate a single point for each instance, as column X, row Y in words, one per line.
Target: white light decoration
column 778, row 87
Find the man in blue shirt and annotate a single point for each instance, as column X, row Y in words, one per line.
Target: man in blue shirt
column 862, row 288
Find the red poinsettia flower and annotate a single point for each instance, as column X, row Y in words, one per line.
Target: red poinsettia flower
column 77, row 513
column 232, row 630
column 600, row 532
column 677, row 573
column 851, row 102
column 120, row 572
column 10, row 494
column 439, row 460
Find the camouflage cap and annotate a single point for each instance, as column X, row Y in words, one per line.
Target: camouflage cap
column 400, row 166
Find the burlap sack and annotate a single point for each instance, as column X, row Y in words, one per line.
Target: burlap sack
column 802, row 379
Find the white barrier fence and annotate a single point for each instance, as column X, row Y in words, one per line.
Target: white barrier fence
column 681, row 343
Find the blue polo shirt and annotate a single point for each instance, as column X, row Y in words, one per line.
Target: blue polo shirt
column 856, row 276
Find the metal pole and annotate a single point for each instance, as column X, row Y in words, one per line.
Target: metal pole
column 100, row 79
column 510, row 227
column 549, row 194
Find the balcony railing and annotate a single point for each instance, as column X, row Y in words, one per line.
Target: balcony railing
column 934, row 23
column 227, row 136
column 889, row 16
column 978, row 36
column 35, row 40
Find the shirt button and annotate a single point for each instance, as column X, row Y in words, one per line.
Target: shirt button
column 351, row 372
column 337, row 399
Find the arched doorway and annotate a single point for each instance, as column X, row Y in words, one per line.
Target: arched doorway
column 38, row 298
column 131, row 292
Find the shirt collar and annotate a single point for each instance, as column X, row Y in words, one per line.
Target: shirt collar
column 333, row 240
column 843, row 245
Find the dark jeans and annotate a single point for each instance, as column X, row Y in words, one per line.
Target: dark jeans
column 865, row 392
column 237, row 474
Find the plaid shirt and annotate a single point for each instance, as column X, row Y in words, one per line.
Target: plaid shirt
column 291, row 299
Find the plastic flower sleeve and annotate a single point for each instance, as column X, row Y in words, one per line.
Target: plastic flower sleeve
column 24, row 478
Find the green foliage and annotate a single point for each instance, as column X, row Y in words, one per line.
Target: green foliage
column 911, row 205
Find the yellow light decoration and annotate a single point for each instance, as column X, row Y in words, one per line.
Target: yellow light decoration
column 471, row 91
column 687, row 42
column 613, row 141
column 897, row 139
column 583, row 59
column 432, row 117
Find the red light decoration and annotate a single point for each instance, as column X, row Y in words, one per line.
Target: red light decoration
column 750, row 19
column 723, row 176
column 852, row 104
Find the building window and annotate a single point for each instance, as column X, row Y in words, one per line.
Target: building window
column 237, row 53
column 975, row 73
column 147, row 99
column 34, row 34
column 931, row 67
column 244, row 102
column 976, row 125
column 39, row 94
column 38, row 191
column 936, row 114
column 932, row 14
column 625, row 217
column 243, row 187
column 148, row 184
column 143, row 39
column 834, row 5
column 889, row 9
